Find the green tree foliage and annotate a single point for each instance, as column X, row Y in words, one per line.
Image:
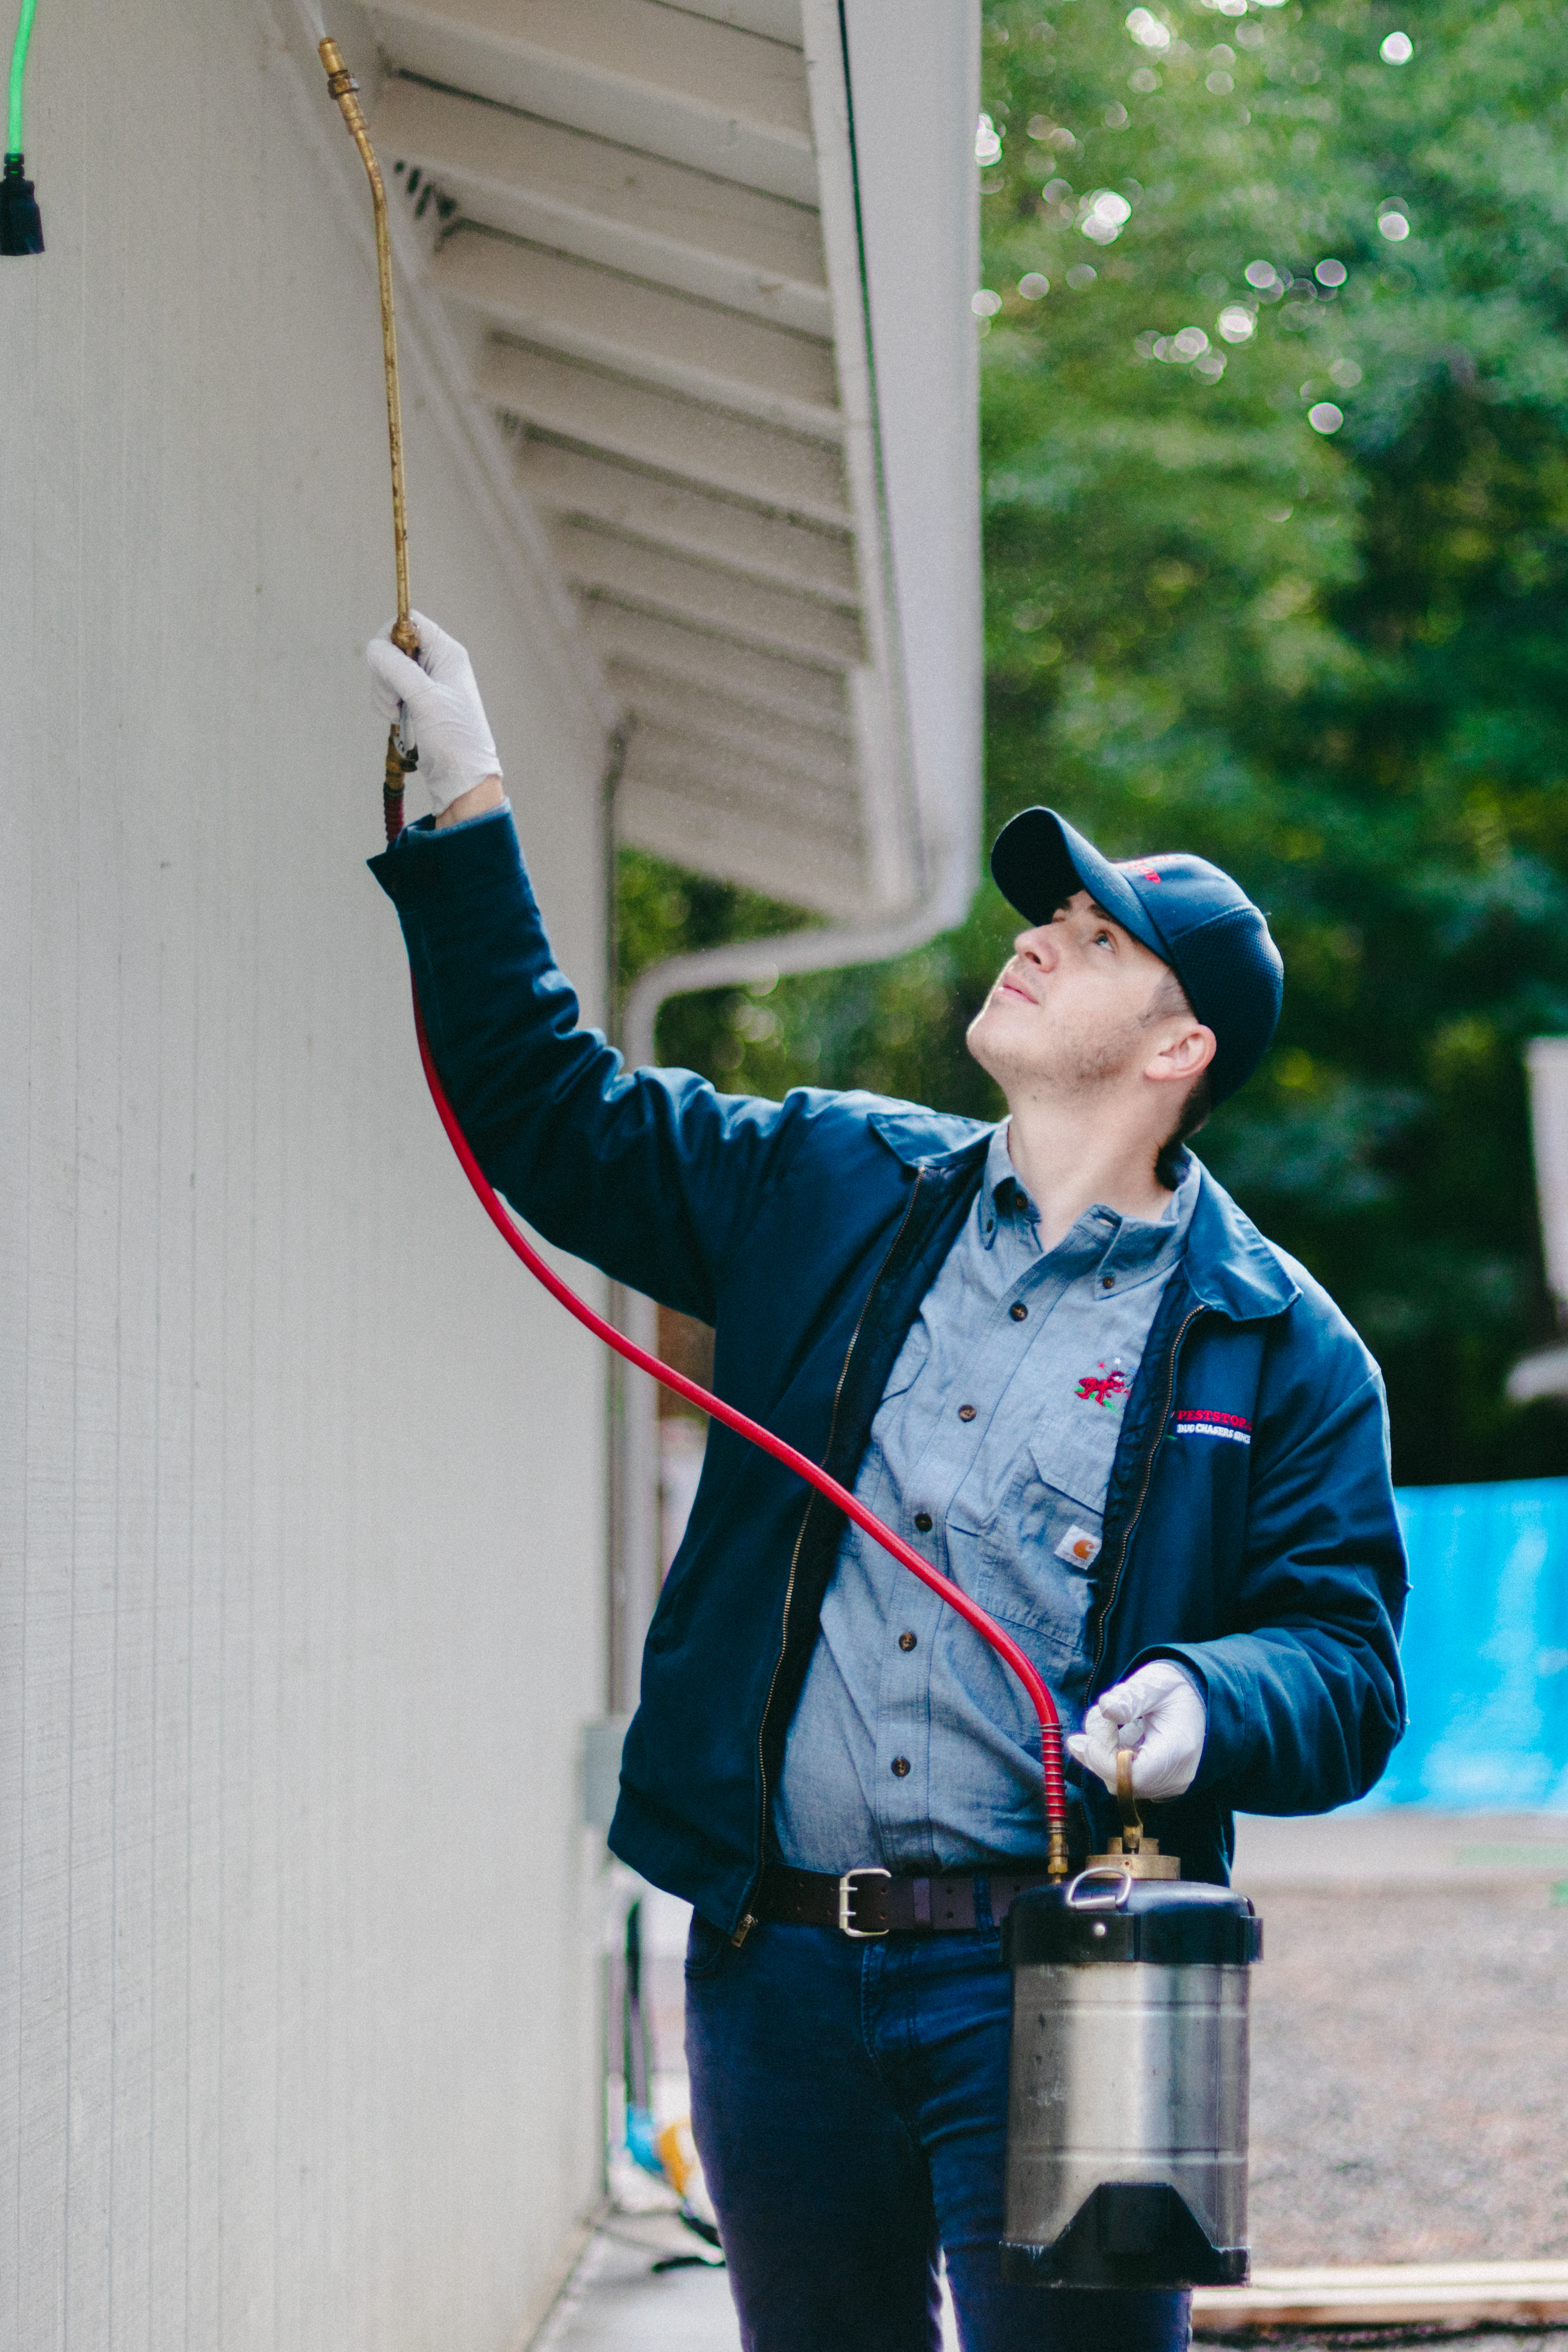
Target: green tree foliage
column 1275, row 435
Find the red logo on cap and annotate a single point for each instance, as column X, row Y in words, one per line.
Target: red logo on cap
column 1147, row 874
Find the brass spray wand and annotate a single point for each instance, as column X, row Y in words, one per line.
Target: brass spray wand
column 345, row 90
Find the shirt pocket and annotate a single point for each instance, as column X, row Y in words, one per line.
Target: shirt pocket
column 1072, row 1450
column 1029, row 1563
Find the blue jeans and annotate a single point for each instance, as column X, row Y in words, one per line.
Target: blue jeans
column 849, row 2102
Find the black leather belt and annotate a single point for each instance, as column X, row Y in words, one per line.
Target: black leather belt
column 868, row 1903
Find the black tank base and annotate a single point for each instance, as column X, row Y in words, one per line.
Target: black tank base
column 1129, row 2234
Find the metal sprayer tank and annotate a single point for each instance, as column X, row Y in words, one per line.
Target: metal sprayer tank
column 1127, row 2113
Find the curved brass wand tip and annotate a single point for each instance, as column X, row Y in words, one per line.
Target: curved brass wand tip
column 340, row 82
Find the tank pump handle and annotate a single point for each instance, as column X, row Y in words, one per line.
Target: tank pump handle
column 1132, row 1848
column 1127, row 1804
column 1124, row 1893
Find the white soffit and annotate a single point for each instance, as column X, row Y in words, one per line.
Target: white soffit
column 644, row 226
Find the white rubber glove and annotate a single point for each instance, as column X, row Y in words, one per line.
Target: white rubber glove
column 442, row 710
column 1161, row 1714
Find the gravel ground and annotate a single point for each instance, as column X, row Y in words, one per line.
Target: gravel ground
column 1392, row 2339
column 1410, row 2078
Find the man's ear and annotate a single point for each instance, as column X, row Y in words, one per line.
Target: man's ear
column 1185, row 1057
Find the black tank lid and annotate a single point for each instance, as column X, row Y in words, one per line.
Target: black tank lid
column 1103, row 1917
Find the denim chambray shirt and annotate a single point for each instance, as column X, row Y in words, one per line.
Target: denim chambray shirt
column 911, row 1745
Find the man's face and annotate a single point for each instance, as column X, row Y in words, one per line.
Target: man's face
column 1070, row 1009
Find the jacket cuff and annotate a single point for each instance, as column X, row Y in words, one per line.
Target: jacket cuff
column 423, row 864
column 1225, row 1700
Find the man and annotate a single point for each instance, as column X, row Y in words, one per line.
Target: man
column 1057, row 1358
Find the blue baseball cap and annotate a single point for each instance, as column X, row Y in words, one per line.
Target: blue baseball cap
column 1184, row 911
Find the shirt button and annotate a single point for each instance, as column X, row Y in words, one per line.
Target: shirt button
column 1019, row 1311
column 966, row 1412
column 901, row 1768
column 1107, row 1281
column 923, row 1521
column 906, row 1642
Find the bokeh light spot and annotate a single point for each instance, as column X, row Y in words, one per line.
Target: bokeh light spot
column 1147, row 30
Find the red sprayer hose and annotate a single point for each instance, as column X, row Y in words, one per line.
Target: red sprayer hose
column 1007, row 1650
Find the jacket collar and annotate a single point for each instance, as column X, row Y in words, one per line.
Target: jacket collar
column 929, row 1139
column 1229, row 1265
column 1228, row 1262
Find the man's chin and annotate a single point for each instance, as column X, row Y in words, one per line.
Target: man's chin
column 987, row 1044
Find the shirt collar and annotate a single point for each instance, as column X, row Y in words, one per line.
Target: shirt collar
column 1129, row 1250
column 1003, row 1201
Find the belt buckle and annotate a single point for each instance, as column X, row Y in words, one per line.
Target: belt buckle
column 846, row 1897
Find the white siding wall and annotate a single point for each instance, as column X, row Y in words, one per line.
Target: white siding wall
column 300, row 1483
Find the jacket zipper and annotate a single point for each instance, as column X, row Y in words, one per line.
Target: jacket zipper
column 1137, row 1513
column 748, row 1921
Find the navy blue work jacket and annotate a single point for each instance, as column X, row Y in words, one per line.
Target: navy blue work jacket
column 807, row 1232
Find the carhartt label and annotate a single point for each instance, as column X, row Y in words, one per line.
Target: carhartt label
column 1079, row 1547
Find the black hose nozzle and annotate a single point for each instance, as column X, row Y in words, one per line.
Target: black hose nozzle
column 21, row 230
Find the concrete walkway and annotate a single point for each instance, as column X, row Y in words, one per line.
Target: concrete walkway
column 615, row 2302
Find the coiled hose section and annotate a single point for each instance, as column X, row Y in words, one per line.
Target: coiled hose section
column 811, row 1472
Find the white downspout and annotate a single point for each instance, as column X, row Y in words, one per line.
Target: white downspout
column 744, row 960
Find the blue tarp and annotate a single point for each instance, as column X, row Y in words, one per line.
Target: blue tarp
column 1486, row 1648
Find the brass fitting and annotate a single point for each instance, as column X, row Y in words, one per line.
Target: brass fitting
column 1134, row 1851
column 341, row 83
column 1056, row 1864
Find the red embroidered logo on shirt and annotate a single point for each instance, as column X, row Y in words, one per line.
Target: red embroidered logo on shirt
column 1103, row 1388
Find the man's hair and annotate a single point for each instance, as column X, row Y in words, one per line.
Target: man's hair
column 1171, row 999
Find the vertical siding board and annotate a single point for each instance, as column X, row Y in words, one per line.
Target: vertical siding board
column 48, row 1425
column 135, row 1640
column 95, row 1480
column 22, row 304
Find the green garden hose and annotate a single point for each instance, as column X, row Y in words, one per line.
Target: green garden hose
column 18, row 74
column 21, row 230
